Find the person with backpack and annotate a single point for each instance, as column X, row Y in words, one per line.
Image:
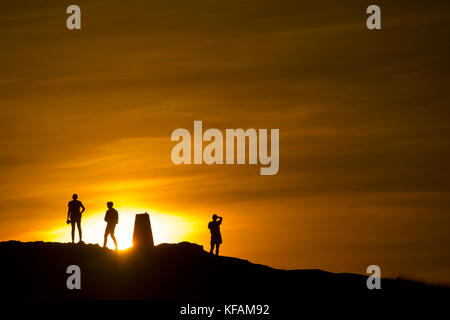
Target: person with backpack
column 111, row 218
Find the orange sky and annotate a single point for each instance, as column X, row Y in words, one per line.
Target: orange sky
column 363, row 116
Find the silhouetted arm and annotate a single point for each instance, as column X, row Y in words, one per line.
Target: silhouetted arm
column 68, row 213
column 82, row 207
column 220, row 220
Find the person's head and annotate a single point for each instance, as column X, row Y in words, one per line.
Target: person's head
column 109, row 204
column 214, row 217
column 74, row 196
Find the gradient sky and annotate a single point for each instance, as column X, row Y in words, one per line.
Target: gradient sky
column 363, row 116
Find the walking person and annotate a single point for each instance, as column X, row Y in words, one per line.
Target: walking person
column 111, row 218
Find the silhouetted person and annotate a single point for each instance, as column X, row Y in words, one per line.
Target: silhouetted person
column 111, row 218
column 216, row 237
column 74, row 216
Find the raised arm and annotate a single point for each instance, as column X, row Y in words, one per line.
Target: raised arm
column 220, row 220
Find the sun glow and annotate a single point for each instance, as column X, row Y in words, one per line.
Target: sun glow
column 165, row 228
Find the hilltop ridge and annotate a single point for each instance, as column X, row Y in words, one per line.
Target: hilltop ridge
column 176, row 272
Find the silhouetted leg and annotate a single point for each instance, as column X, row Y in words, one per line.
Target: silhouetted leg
column 79, row 230
column 106, row 239
column 212, row 247
column 114, row 239
column 217, row 248
column 73, row 230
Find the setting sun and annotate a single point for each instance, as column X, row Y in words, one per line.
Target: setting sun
column 166, row 228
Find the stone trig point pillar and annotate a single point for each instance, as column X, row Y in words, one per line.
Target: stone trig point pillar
column 142, row 234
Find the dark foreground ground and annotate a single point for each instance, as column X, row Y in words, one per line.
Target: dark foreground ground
column 176, row 274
